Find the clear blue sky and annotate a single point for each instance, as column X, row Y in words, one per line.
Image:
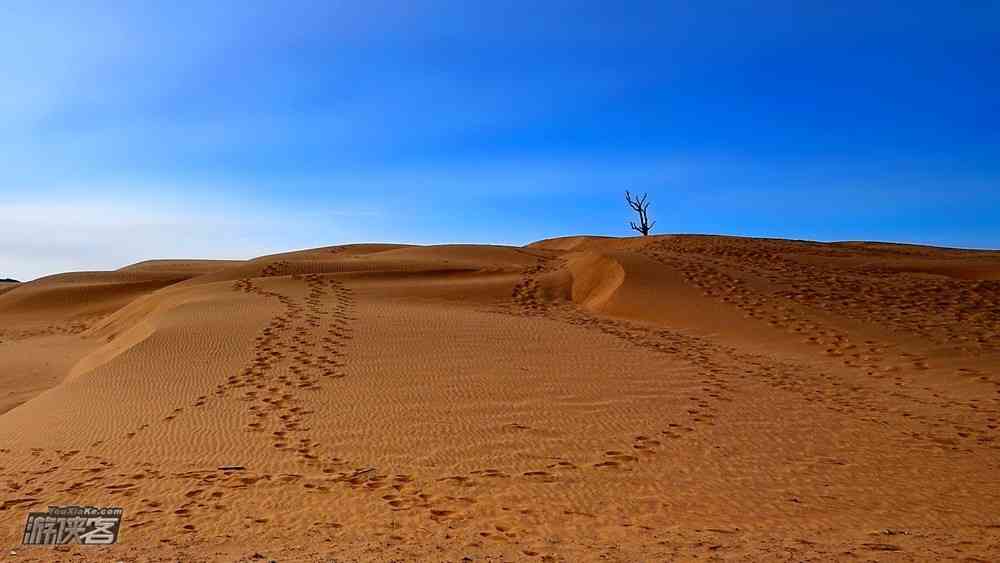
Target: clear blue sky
column 133, row 130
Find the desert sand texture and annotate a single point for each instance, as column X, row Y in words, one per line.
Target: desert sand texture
column 663, row 398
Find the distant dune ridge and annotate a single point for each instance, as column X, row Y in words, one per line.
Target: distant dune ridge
column 579, row 398
column 7, row 284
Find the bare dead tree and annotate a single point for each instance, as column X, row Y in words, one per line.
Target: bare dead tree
column 639, row 205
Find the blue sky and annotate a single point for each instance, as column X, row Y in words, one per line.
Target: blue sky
column 135, row 130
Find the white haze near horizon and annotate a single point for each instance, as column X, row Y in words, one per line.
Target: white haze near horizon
column 43, row 238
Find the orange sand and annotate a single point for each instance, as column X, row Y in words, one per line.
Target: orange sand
column 584, row 398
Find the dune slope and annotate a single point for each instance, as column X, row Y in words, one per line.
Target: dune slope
column 576, row 399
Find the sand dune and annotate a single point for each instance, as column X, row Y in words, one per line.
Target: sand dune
column 7, row 286
column 182, row 267
column 576, row 399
